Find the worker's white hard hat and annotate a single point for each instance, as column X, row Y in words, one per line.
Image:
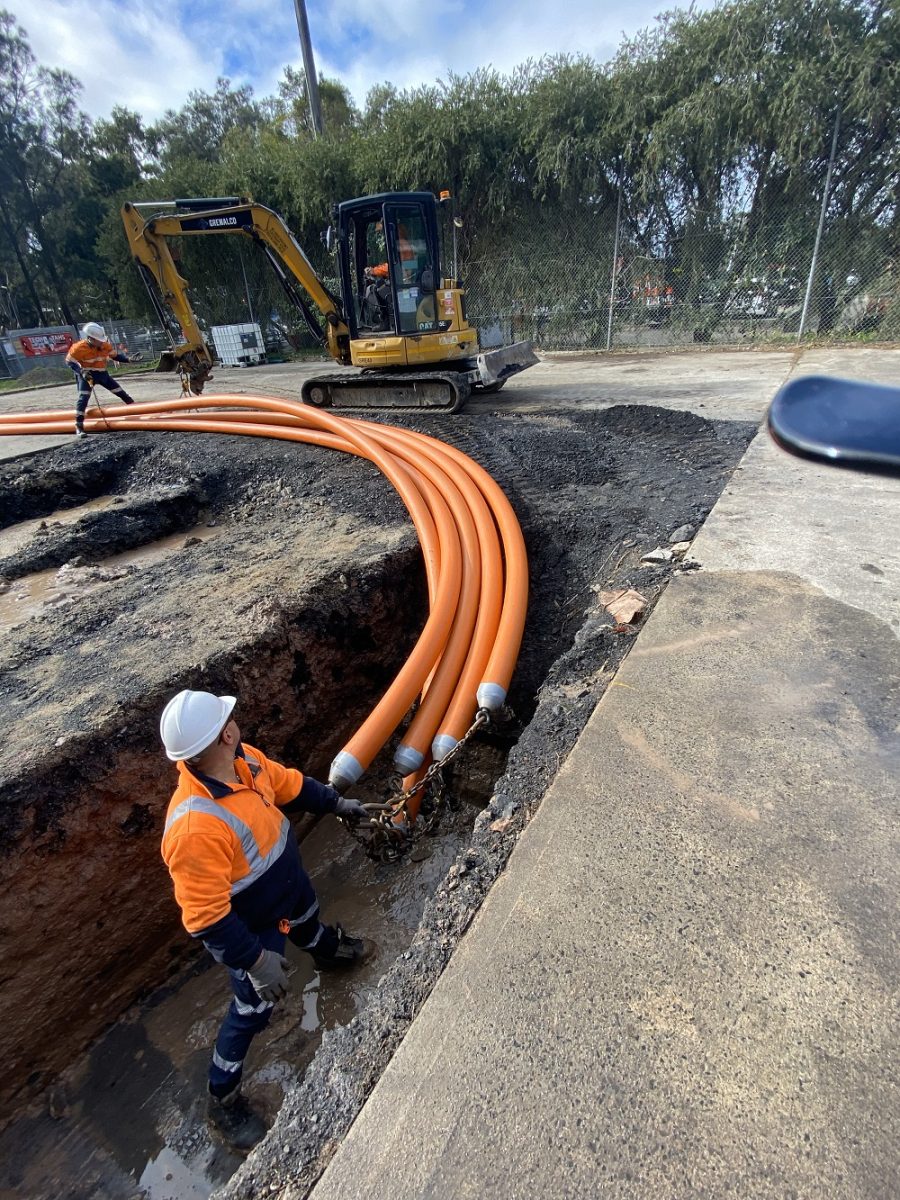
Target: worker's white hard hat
column 191, row 721
column 92, row 329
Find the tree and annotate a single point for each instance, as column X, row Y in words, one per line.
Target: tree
column 195, row 133
column 41, row 136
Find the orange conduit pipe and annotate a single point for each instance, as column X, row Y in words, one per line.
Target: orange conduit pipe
column 350, row 762
column 463, row 701
column 425, row 499
column 487, row 607
column 478, row 607
column 367, row 741
column 515, row 594
column 479, row 604
column 490, row 693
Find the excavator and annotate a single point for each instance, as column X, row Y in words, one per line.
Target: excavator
column 399, row 318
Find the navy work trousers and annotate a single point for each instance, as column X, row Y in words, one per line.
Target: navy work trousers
column 248, row 1014
column 101, row 379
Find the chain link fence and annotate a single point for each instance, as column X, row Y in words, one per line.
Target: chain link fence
column 585, row 281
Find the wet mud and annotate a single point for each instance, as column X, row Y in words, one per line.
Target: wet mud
column 290, row 576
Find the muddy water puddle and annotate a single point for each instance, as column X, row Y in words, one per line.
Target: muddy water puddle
column 126, row 1120
column 17, row 536
column 43, row 591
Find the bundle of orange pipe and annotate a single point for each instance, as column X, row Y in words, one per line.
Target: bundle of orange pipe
column 472, row 546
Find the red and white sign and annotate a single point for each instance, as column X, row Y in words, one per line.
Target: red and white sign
column 36, row 344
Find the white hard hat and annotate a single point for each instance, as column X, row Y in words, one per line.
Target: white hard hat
column 191, row 721
column 92, row 329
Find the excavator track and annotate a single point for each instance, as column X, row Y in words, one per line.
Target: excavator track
column 442, row 391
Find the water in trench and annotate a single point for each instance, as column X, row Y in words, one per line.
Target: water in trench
column 30, row 595
column 125, row 1121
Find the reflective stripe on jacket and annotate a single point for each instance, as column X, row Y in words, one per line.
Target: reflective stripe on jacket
column 232, row 854
column 88, row 357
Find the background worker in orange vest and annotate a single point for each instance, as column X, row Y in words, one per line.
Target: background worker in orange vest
column 89, row 359
column 240, row 882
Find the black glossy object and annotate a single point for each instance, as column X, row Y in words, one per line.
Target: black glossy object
column 839, row 421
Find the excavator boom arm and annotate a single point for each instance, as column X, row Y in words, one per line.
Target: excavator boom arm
column 150, row 249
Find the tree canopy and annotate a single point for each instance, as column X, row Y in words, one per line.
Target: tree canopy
column 713, row 125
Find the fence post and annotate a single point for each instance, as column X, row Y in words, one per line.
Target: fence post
column 246, row 287
column 815, row 254
column 615, row 268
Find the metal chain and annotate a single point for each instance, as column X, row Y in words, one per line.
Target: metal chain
column 93, row 396
column 389, row 834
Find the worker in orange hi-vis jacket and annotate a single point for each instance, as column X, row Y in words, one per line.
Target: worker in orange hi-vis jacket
column 240, row 882
column 89, row 359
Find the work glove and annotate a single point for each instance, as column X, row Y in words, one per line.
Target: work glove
column 268, row 976
column 88, row 378
column 136, row 358
column 351, row 810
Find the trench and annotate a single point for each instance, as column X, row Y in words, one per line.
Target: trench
column 103, row 1097
column 151, row 1065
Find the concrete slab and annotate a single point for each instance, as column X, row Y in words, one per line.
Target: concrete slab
column 835, row 529
column 15, row 447
column 730, row 385
column 878, row 364
column 686, row 981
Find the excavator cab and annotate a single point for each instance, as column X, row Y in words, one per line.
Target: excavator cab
column 389, row 263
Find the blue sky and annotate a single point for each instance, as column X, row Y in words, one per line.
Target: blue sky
column 148, row 54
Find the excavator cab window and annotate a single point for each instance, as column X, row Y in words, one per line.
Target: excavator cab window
column 389, row 263
column 370, row 281
column 413, row 266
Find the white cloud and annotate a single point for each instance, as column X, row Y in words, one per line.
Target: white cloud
column 411, row 43
column 139, row 58
column 148, row 54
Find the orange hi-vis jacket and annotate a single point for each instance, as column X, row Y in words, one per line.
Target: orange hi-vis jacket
column 91, row 358
column 232, row 853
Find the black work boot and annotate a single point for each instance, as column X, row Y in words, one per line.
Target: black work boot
column 235, row 1121
column 125, row 398
column 340, row 951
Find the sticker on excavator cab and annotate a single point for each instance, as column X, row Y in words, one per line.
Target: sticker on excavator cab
column 424, row 326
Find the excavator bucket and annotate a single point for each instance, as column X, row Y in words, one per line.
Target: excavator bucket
column 496, row 366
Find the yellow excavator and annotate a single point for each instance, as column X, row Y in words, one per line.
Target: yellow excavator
column 399, row 317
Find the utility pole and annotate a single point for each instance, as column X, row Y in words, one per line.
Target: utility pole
column 815, row 256
column 309, row 68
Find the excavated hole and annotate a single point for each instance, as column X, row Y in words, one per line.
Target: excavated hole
column 291, row 577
